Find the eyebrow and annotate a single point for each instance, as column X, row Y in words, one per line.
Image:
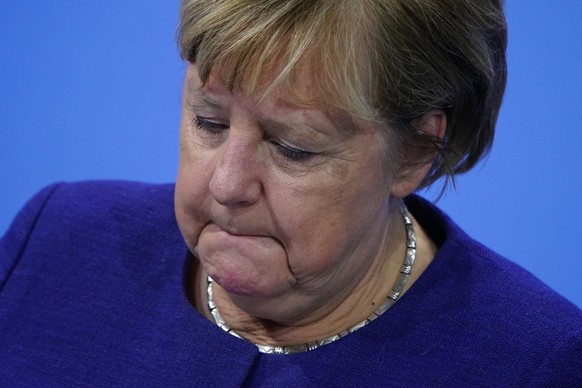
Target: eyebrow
column 276, row 125
column 198, row 98
column 209, row 102
column 331, row 129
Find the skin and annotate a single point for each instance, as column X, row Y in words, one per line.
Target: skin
column 288, row 210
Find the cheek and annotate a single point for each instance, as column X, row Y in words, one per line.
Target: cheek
column 190, row 196
column 324, row 228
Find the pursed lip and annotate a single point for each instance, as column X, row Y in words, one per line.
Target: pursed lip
column 235, row 231
column 213, row 226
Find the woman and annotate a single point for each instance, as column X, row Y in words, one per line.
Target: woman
column 306, row 127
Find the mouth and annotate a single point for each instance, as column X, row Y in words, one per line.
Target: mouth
column 239, row 257
column 233, row 231
column 237, row 231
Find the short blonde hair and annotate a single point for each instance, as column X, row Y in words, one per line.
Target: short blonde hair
column 387, row 61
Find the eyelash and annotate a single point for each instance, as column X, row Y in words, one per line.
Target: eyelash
column 209, row 126
column 215, row 128
column 291, row 153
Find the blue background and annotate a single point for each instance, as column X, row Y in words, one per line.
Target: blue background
column 91, row 90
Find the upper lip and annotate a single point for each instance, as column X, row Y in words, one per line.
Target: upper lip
column 238, row 231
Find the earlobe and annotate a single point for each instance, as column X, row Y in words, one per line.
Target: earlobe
column 434, row 124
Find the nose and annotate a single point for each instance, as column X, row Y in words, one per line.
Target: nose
column 235, row 181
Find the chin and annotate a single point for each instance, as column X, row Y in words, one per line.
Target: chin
column 250, row 286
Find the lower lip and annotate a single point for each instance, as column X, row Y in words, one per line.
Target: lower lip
column 244, row 265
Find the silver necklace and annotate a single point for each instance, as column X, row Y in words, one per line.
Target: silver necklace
column 393, row 296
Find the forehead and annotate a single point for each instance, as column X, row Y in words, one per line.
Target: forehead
column 297, row 86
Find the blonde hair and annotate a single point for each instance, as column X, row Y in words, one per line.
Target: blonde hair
column 387, row 61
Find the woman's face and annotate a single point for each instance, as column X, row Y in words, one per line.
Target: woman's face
column 285, row 206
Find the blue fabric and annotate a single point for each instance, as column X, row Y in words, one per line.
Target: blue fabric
column 91, row 293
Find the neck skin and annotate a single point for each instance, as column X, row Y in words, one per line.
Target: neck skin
column 359, row 304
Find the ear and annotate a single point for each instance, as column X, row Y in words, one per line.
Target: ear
column 433, row 122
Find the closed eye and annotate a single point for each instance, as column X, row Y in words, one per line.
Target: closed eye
column 208, row 125
column 213, row 128
column 292, row 153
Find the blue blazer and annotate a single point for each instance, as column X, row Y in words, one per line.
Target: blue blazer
column 92, row 293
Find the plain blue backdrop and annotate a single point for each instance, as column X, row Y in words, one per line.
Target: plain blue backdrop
column 91, row 90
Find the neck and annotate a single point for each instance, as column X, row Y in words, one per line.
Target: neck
column 359, row 303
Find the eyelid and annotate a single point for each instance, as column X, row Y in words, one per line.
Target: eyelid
column 292, row 153
column 208, row 124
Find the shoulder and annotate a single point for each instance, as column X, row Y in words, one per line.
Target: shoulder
column 83, row 207
column 109, row 200
column 474, row 266
column 495, row 312
column 108, row 208
column 93, row 284
column 107, row 194
column 65, row 218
